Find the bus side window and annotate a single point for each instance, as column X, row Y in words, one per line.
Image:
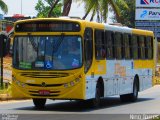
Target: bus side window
column 88, row 48
column 134, row 47
column 141, row 47
column 126, row 46
column 118, row 45
column 100, row 45
column 149, row 47
column 109, row 39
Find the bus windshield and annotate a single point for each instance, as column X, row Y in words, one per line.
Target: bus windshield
column 47, row 52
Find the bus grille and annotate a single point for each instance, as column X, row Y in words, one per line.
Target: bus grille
column 44, row 74
column 46, row 85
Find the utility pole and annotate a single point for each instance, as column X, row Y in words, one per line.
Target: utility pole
column 1, row 59
column 21, row 7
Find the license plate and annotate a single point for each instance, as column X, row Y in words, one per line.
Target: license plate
column 44, row 92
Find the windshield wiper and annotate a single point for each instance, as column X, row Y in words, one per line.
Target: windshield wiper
column 35, row 47
column 58, row 44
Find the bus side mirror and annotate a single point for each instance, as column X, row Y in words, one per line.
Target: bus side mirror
column 4, row 45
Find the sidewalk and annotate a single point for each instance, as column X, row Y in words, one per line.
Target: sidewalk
column 5, row 97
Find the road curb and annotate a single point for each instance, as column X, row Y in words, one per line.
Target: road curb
column 7, row 97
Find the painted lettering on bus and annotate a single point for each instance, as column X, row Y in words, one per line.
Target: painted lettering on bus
column 120, row 70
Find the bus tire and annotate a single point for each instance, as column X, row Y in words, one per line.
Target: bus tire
column 95, row 102
column 132, row 97
column 39, row 103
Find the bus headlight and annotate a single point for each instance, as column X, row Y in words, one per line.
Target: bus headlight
column 13, row 78
column 19, row 83
column 77, row 80
column 72, row 83
column 65, row 85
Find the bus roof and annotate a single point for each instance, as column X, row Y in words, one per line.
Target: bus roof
column 142, row 32
column 95, row 25
column 118, row 28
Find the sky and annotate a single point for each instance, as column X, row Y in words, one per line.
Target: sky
column 28, row 8
column 14, row 7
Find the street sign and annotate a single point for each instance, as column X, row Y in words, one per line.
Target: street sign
column 157, row 34
column 147, row 14
column 147, row 3
column 154, row 29
column 147, row 24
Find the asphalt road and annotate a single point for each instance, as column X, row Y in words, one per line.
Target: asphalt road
column 111, row 109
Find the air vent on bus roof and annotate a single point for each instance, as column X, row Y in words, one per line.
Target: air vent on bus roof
column 70, row 17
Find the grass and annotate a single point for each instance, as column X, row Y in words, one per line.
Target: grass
column 157, row 118
column 5, row 90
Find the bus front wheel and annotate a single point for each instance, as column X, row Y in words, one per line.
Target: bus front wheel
column 95, row 102
column 39, row 103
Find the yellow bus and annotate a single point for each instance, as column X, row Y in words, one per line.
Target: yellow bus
column 72, row 59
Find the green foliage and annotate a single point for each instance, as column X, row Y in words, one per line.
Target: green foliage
column 3, row 7
column 43, row 7
column 127, row 15
column 100, row 8
column 5, row 90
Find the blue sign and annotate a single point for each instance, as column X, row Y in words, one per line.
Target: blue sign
column 147, row 23
column 144, row 13
column 48, row 64
column 147, row 3
column 144, row 2
column 1, row 17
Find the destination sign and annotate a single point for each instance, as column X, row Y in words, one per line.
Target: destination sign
column 47, row 26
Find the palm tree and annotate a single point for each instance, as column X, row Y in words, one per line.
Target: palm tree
column 53, row 5
column 66, row 7
column 3, row 7
column 100, row 8
column 127, row 16
column 97, row 7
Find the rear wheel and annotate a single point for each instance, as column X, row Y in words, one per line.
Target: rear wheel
column 39, row 103
column 133, row 96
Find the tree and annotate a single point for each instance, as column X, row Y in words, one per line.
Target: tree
column 100, row 8
column 127, row 16
column 3, row 7
column 66, row 7
column 44, row 8
column 53, row 6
